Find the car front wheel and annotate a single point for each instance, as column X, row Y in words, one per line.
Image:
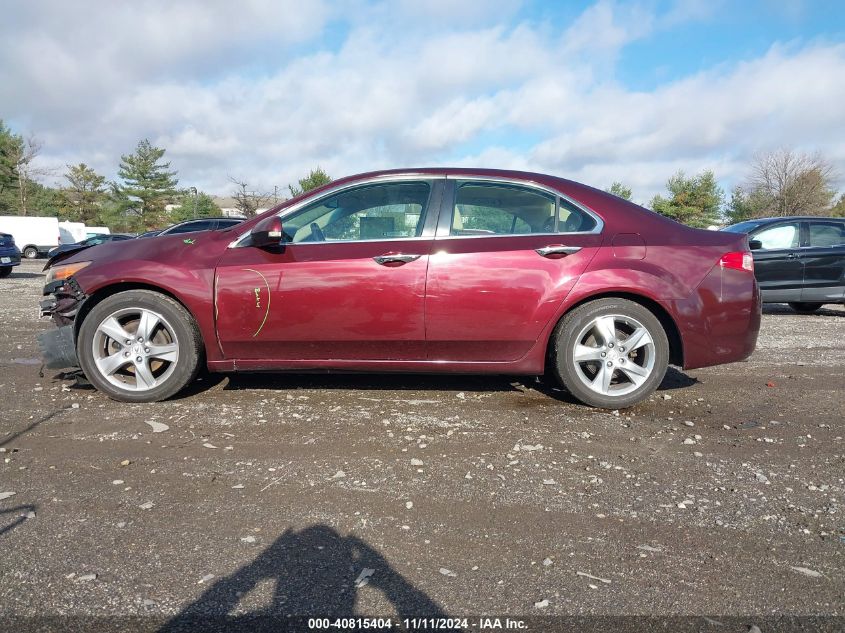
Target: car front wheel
column 139, row 346
column 610, row 353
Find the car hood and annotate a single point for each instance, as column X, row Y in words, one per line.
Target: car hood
column 163, row 248
column 65, row 252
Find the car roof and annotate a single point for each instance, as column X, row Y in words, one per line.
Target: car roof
column 791, row 217
column 569, row 187
column 221, row 217
column 604, row 205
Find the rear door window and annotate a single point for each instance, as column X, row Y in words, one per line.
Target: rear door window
column 826, row 234
column 574, row 219
column 484, row 208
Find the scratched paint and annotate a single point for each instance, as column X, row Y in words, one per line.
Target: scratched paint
column 258, row 300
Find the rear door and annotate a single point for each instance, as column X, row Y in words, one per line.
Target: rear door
column 823, row 259
column 349, row 285
column 777, row 265
column 505, row 255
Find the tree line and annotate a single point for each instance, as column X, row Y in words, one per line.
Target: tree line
column 146, row 193
column 779, row 183
column 138, row 200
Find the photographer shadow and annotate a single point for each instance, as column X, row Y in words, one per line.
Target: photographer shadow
column 314, row 573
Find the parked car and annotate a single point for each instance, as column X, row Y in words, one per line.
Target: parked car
column 798, row 260
column 33, row 235
column 10, row 256
column 147, row 234
column 91, row 241
column 190, row 226
column 430, row 270
column 92, row 231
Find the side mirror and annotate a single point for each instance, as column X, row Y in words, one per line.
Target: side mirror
column 267, row 233
column 755, row 245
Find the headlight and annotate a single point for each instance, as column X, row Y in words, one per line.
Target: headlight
column 63, row 271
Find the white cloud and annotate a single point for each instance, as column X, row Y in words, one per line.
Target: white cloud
column 605, row 28
column 786, row 98
column 267, row 92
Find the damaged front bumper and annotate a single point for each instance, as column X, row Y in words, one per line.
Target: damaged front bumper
column 58, row 347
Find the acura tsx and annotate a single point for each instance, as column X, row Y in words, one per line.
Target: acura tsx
column 425, row 270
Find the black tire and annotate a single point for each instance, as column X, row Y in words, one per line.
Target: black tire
column 30, row 252
column 563, row 346
column 184, row 328
column 805, row 307
column 5, row 271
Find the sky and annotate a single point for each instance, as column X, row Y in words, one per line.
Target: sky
column 265, row 90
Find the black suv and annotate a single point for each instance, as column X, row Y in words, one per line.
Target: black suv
column 202, row 224
column 798, row 260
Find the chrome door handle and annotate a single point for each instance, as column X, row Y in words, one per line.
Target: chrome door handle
column 557, row 249
column 395, row 258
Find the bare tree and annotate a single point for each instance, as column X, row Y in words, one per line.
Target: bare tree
column 247, row 201
column 785, row 182
column 23, row 157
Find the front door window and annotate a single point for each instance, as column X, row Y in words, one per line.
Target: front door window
column 385, row 211
column 779, row 237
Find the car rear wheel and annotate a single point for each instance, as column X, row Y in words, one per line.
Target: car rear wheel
column 610, row 353
column 5, row 271
column 30, row 252
column 139, row 346
column 805, row 307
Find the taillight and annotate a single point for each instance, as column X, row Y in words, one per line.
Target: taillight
column 739, row 260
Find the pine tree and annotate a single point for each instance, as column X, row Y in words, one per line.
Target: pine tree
column 10, row 147
column 620, row 190
column 695, row 201
column 84, row 194
column 190, row 206
column 148, row 183
column 315, row 178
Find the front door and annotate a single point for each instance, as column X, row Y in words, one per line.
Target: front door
column 504, row 258
column 349, row 283
column 777, row 266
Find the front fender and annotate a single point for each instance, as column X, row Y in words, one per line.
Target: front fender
column 192, row 287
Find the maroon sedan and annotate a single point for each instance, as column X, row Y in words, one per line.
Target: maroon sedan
column 426, row 270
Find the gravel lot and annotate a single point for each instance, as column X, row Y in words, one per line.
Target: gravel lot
column 723, row 494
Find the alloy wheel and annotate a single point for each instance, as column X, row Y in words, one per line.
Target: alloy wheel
column 613, row 355
column 135, row 349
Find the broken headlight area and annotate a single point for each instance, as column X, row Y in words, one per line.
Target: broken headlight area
column 65, row 298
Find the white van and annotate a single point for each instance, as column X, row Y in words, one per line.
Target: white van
column 33, row 235
column 71, row 232
column 91, row 231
